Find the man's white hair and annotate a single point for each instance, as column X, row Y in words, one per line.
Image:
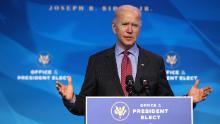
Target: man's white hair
column 122, row 8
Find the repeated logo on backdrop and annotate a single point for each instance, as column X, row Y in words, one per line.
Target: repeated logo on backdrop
column 44, row 59
column 174, row 73
column 43, row 71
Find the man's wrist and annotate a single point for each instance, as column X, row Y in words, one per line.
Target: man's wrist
column 73, row 100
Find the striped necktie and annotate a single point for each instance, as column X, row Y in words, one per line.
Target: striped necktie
column 126, row 69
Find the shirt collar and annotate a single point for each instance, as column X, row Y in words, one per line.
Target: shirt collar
column 133, row 50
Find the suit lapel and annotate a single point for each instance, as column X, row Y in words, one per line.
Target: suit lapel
column 143, row 61
column 112, row 65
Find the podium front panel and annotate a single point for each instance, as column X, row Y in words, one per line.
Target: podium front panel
column 139, row 110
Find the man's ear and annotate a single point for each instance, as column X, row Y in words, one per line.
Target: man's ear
column 114, row 28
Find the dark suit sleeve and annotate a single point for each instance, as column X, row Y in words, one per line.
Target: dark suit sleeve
column 88, row 89
column 163, row 88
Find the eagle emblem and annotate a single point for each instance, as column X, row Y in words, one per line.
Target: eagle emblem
column 120, row 111
column 43, row 59
column 172, row 59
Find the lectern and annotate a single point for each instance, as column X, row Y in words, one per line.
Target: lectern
column 139, row 110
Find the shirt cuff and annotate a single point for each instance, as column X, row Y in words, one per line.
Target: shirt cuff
column 73, row 100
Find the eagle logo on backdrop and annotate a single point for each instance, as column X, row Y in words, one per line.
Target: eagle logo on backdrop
column 44, row 59
column 120, row 111
column 172, row 59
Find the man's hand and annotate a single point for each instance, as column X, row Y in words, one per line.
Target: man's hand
column 199, row 94
column 66, row 91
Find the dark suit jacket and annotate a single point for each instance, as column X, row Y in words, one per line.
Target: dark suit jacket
column 102, row 78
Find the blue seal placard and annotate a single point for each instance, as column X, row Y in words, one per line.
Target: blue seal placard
column 139, row 110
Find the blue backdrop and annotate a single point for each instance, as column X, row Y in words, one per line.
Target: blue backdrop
column 45, row 40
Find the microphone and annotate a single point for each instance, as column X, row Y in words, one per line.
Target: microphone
column 130, row 85
column 146, row 87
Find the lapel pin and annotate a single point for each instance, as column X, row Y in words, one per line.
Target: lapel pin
column 142, row 65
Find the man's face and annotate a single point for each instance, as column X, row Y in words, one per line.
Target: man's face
column 127, row 27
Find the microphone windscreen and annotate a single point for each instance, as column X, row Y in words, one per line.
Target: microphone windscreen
column 129, row 78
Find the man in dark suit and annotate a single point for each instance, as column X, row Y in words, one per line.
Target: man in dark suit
column 107, row 70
